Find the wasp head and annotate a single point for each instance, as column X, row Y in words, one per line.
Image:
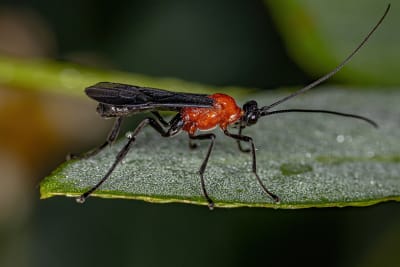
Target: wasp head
column 251, row 113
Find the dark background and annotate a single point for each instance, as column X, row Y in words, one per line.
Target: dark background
column 212, row 42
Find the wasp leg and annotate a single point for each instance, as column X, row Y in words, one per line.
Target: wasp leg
column 192, row 145
column 166, row 124
column 112, row 136
column 161, row 119
column 245, row 150
column 248, row 139
column 203, row 166
column 174, row 129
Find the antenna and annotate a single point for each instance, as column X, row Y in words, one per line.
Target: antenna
column 334, row 71
column 371, row 122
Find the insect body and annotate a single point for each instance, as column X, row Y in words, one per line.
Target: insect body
column 194, row 113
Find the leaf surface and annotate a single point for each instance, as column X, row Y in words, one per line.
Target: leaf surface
column 309, row 160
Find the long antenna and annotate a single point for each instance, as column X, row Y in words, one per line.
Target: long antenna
column 371, row 122
column 334, row 71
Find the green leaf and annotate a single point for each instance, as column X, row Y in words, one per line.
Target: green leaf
column 309, row 160
column 67, row 78
column 320, row 34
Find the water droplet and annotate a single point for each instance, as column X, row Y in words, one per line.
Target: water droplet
column 129, row 135
column 340, row 138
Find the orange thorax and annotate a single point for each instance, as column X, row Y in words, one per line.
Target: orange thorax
column 222, row 113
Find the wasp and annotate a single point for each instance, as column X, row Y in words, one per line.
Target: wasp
column 195, row 114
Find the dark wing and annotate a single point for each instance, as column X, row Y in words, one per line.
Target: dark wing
column 144, row 97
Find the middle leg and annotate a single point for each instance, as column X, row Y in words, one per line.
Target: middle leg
column 203, row 166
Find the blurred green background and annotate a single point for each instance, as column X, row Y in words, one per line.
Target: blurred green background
column 221, row 43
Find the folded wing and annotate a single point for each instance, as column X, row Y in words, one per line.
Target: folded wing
column 130, row 95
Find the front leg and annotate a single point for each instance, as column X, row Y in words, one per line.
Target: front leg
column 248, row 139
column 245, row 150
column 192, row 145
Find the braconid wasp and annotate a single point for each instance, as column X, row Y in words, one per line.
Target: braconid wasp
column 195, row 112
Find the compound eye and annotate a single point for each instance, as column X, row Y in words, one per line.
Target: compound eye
column 252, row 119
column 251, row 112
